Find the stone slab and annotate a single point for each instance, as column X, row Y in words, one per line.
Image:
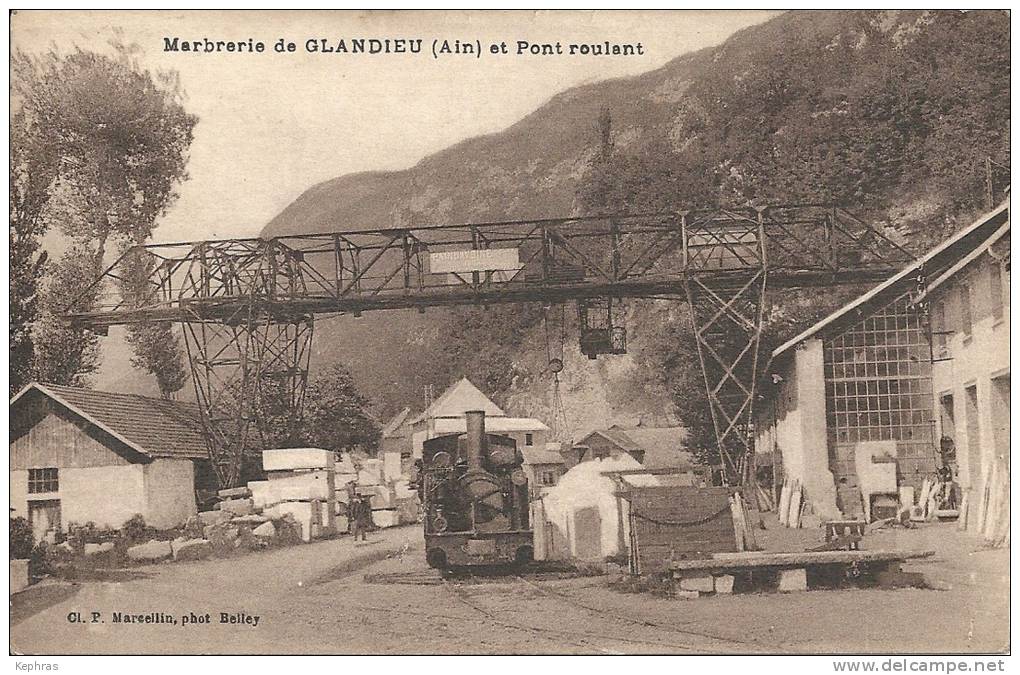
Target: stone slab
column 724, row 583
column 213, row 517
column 239, row 507
column 686, row 595
column 19, row 576
column 96, row 549
column 703, row 583
column 191, row 549
column 386, row 517
column 297, row 458
column 235, row 493
column 267, row 530
column 150, row 551
column 792, row 580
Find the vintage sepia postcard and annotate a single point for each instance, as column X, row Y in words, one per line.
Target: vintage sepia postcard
column 511, row 333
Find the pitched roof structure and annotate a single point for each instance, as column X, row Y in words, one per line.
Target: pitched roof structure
column 150, row 426
column 395, row 423
column 617, row 438
column 944, row 256
column 458, row 399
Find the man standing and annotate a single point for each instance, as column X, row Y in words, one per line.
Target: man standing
column 352, row 498
column 364, row 518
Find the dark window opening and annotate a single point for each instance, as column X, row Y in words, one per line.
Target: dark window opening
column 42, row 480
column 965, row 318
column 996, row 293
column 529, row 439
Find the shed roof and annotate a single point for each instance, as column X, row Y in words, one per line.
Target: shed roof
column 458, row 399
column 938, row 259
column 544, row 455
column 151, row 426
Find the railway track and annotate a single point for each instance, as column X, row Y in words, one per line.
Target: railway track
column 669, row 637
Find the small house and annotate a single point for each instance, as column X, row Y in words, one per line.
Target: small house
column 543, row 466
column 446, row 415
column 79, row 455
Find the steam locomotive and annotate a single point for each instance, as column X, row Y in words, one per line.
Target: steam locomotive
column 475, row 498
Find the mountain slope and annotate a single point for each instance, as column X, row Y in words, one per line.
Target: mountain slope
column 891, row 112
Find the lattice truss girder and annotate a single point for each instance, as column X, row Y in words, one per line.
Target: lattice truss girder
column 247, row 303
column 545, row 260
column 241, row 371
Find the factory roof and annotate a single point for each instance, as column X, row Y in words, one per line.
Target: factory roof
column 150, row 426
column 937, row 260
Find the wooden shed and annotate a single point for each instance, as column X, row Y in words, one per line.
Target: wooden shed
column 79, row 455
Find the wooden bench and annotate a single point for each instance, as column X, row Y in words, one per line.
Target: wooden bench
column 757, row 570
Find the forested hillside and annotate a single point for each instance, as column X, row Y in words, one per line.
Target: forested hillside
column 892, row 114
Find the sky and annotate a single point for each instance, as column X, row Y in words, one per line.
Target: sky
column 272, row 124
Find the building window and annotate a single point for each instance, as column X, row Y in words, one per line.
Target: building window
column 529, row 439
column 996, row 293
column 42, row 480
column 548, row 478
column 939, row 329
column 965, row 318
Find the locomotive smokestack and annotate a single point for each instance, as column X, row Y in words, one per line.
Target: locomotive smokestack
column 475, row 438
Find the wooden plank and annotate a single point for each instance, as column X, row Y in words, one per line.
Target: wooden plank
column 784, row 505
column 759, row 559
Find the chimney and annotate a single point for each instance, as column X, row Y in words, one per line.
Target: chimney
column 475, row 445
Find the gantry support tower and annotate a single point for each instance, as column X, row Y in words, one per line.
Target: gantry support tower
column 247, row 305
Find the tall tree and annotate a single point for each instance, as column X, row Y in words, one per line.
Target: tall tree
column 336, row 413
column 120, row 135
column 157, row 347
column 33, row 169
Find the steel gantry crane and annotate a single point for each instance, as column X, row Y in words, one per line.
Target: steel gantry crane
column 247, row 305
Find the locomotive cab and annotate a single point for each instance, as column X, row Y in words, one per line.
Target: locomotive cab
column 475, row 494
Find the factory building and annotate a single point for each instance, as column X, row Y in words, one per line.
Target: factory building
column 860, row 394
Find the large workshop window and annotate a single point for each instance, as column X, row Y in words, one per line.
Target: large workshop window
column 42, row 480
column 878, row 388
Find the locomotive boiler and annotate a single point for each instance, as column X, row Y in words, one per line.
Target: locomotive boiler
column 475, row 497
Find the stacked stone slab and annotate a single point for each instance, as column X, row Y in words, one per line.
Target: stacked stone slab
column 301, row 483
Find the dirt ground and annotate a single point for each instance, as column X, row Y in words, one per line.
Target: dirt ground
column 337, row 597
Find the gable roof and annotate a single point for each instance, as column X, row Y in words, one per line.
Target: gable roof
column 940, row 258
column 458, row 399
column 395, row 423
column 152, row 427
column 617, row 438
column 967, row 260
